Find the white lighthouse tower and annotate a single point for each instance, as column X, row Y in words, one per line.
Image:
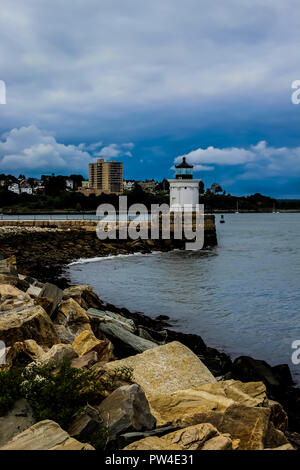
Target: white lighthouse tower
column 184, row 190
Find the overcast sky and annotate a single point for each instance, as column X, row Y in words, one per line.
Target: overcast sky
column 146, row 82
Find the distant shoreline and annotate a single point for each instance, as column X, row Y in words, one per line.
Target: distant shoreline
column 83, row 213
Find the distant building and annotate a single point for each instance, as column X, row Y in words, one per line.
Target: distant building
column 25, row 188
column 104, row 177
column 14, row 188
column 148, row 185
column 128, row 185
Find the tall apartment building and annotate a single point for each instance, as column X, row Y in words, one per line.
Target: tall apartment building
column 105, row 177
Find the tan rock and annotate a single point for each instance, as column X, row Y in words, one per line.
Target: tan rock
column 186, row 407
column 11, row 260
column 70, row 312
column 83, row 295
column 11, row 297
column 249, row 394
column 87, row 341
column 278, row 415
column 218, row 443
column 56, row 355
column 152, row 443
column 85, row 361
column 45, row 435
column 30, row 322
column 28, row 348
column 166, row 369
column 46, row 303
column 192, row 437
column 250, row 425
column 274, row 437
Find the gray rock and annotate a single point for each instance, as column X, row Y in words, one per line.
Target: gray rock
column 53, row 292
column 125, row 410
column 124, row 341
column 129, row 437
column 86, row 424
column 34, row 291
column 111, row 317
column 64, row 335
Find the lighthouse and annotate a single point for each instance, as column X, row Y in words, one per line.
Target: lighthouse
column 184, row 190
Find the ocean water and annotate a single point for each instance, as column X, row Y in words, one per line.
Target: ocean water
column 242, row 297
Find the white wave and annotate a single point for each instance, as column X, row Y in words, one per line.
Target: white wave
column 103, row 258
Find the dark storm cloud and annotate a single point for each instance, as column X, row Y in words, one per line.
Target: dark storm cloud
column 127, row 70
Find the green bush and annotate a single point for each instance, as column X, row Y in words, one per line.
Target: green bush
column 10, row 380
column 58, row 396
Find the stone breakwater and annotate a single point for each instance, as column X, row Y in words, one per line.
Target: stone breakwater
column 160, row 389
column 45, row 247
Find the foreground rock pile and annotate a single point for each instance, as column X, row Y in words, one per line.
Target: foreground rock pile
column 166, row 398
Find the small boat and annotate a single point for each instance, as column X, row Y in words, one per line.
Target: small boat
column 222, row 220
column 237, row 208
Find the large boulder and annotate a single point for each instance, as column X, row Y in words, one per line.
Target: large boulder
column 120, row 332
column 57, row 354
column 186, row 407
column 85, row 424
column 53, row 292
column 84, row 296
column 25, row 351
column 45, row 435
column 250, row 425
column 86, row 361
column 86, row 342
column 125, row 410
column 30, row 322
column 240, row 409
column 45, row 302
column 192, row 437
column 247, row 369
column 166, row 369
column 73, row 317
column 11, row 298
column 203, row 436
column 112, row 317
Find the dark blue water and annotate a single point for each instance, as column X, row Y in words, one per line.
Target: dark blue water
column 242, row 297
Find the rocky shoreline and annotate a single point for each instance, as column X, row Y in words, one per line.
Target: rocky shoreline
column 207, row 402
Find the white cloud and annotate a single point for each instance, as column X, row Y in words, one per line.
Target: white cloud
column 116, row 150
column 31, row 150
column 259, row 161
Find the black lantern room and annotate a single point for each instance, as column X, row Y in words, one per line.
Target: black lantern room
column 184, row 171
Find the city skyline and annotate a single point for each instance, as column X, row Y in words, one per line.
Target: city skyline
column 149, row 83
